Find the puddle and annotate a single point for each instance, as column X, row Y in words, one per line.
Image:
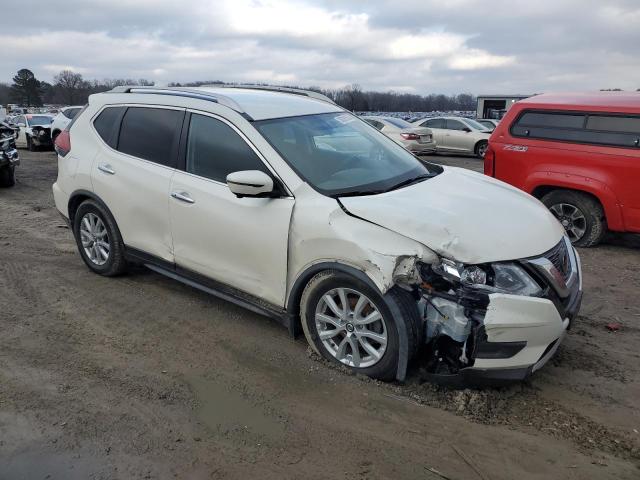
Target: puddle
column 224, row 409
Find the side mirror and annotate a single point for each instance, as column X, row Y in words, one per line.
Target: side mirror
column 250, row 183
column 466, row 129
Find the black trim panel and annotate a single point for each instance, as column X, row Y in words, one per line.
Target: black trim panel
column 495, row 350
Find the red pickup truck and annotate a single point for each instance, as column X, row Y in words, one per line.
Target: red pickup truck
column 579, row 154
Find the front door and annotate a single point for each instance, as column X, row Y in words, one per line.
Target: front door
column 241, row 242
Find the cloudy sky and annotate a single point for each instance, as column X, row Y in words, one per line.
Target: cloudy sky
column 422, row 46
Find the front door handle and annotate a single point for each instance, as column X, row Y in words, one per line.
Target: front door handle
column 106, row 168
column 183, row 197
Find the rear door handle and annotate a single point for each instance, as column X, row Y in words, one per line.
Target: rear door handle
column 106, row 168
column 183, row 197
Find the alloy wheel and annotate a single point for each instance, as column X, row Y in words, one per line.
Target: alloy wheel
column 95, row 239
column 351, row 327
column 482, row 149
column 571, row 218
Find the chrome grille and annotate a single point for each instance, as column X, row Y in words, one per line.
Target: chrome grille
column 559, row 256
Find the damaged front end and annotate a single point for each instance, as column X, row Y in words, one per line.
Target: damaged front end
column 495, row 322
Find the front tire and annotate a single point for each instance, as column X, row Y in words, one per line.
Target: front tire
column 30, row 146
column 350, row 324
column 481, row 149
column 98, row 238
column 580, row 214
column 7, row 176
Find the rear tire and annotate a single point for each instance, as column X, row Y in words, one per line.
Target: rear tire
column 7, row 176
column 481, row 149
column 375, row 357
column 580, row 214
column 96, row 232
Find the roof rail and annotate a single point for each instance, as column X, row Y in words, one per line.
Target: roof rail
column 183, row 92
column 272, row 88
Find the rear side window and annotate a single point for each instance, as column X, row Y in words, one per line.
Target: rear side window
column 151, row 134
column 107, row 123
column 584, row 128
column 434, row 123
column 214, row 150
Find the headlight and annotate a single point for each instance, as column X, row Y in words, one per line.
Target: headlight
column 493, row 278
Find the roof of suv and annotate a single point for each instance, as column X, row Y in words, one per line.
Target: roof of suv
column 599, row 101
column 258, row 103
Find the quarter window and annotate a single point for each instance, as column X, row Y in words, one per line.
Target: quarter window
column 150, row 134
column 214, row 150
column 106, row 124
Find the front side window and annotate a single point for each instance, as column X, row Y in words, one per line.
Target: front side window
column 455, row 125
column 475, row 125
column 151, row 134
column 214, row 150
column 70, row 113
column 339, row 155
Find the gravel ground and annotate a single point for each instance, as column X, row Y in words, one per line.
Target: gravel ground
column 142, row 377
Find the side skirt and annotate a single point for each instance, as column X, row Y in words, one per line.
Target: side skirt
column 210, row 286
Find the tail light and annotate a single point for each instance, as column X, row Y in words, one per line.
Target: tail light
column 63, row 143
column 410, row 136
column 490, row 161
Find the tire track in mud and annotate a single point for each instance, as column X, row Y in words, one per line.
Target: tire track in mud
column 519, row 406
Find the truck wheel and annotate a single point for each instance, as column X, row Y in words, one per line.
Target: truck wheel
column 350, row 324
column 580, row 214
column 481, row 148
column 98, row 238
column 7, row 176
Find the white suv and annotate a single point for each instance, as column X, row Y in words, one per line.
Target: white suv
column 287, row 204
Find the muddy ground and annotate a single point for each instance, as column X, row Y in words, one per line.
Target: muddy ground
column 142, row 377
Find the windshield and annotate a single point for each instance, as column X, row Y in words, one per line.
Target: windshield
column 475, row 125
column 398, row 122
column 338, row 154
column 40, row 120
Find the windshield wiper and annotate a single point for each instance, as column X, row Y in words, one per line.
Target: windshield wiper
column 410, row 181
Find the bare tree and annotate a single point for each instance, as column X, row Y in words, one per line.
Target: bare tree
column 71, row 85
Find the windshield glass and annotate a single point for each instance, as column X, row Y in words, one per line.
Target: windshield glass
column 475, row 125
column 40, row 120
column 339, row 154
column 398, row 122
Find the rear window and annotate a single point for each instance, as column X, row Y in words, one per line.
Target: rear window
column 576, row 127
column 151, row 134
column 398, row 122
column 106, row 124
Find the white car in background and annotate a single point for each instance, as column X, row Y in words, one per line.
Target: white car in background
column 489, row 123
column 62, row 119
column 417, row 140
column 457, row 135
column 35, row 130
column 287, row 204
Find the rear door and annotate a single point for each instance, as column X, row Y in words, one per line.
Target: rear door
column 132, row 172
column 458, row 136
column 437, row 126
column 241, row 242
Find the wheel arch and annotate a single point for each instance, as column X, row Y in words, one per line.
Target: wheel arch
column 295, row 295
column 542, row 183
column 79, row 196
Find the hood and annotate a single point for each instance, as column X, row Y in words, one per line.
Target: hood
column 464, row 216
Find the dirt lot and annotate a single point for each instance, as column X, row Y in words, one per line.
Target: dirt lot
column 142, row 377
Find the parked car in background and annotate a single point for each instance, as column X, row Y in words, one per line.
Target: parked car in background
column 35, row 131
column 488, row 123
column 418, row 140
column 8, row 156
column 295, row 208
column 579, row 154
column 457, row 135
column 62, row 119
